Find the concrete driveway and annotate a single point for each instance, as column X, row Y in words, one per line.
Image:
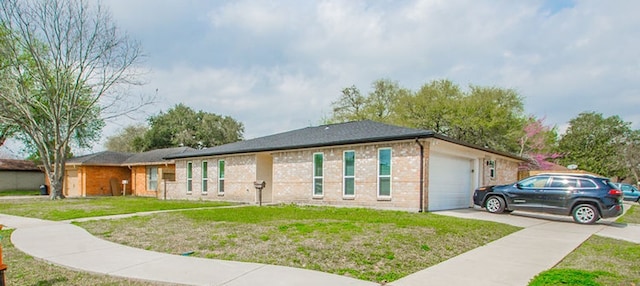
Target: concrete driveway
column 544, row 241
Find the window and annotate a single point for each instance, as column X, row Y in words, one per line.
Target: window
column 534, row 182
column 349, row 184
column 318, row 178
column 563, row 183
column 189, row 177
column 152, row 178
column 384, row 172
column 587, row 184
column 204, row 177
column 221, row 177
column 492, row 169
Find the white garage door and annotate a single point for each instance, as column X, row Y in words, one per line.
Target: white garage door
column 449, row 182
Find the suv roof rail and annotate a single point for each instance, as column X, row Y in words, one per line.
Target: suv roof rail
column 570, row 174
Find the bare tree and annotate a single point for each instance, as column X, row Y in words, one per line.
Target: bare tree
column 65, row 66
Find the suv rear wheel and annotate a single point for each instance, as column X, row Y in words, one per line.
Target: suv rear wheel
column 495, row 204
column 585, row 214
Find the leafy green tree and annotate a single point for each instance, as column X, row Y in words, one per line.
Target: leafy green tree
column 485, row 116
column 593, row 142
column 349, row 107
column 630, row 153
column 65, row 68
column 381, row 102
column 6, row 132
column 378, row 105
column 435, row 106
column 182, row 126
column 491, row 117
column 128, row 140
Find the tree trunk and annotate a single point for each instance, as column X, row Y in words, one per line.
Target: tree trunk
column 56, row 183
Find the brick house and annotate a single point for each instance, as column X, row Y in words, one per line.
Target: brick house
column 103, row 173
column 20, row 175
column 361, row 163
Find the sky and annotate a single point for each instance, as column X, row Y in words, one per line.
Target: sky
column 278, row 65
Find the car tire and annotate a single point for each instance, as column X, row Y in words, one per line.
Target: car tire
column 585, row 214
column 495, row 204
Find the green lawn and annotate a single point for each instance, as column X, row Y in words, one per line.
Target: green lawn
column 366, row 244
column 631, row 216
column 598, row 261
column 6, row 193
column 72, row 208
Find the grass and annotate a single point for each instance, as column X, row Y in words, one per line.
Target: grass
column 72, row 208
column 631, row 216
column 367, row 244
column 23, row 269
column 6, row 193
column 598, row 261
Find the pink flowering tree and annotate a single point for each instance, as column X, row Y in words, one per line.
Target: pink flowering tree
column 536, row 144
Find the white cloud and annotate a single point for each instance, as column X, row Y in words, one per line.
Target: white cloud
column 277, row 65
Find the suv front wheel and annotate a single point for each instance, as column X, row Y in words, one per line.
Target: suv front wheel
column 585, row 214
column 495, row 204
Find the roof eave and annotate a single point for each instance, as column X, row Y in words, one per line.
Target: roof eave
column 505, row 154
column 304, row 146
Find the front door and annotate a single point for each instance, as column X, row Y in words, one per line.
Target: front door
column 71, row 188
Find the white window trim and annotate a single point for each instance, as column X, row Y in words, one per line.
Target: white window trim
column 189, row 169
column 221, row 180
column 390, row 176
column 345, row 177
column 313, row 186
column 149, row 171
column 205, row 177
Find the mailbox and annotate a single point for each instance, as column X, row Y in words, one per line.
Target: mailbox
column 259, row 184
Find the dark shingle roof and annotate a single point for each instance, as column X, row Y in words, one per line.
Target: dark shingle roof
column 100, row 158
column 155, row 156
column 17, row 165
column 117, row 158
column 318, row 136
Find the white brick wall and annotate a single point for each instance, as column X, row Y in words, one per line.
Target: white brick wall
column 292, row 180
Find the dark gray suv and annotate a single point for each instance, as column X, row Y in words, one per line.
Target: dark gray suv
column 586, row 197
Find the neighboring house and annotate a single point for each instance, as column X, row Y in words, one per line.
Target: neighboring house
column 362, row 163
column 108, row 173
column 149, row 171
column 20, row 175
column 98, row 174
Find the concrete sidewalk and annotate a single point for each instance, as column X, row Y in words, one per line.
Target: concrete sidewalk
column 73, row 247
column 543, row 242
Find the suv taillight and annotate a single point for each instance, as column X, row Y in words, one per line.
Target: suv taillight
column 615, row 192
